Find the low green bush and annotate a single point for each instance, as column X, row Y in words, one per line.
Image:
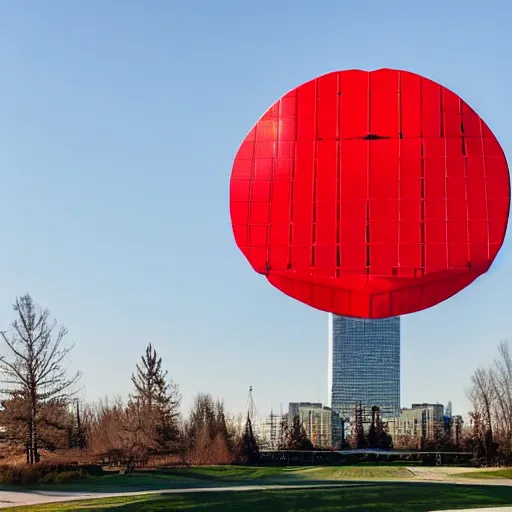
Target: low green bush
column 65, row 477
column 46, row 473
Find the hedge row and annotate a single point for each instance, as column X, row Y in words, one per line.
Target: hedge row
column 46, row 473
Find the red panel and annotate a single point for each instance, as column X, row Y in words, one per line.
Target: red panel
column 383, row 258
column 496, row 167
column 456, row 178
column 327, row 162
column 288, row 116
column 383, row 207
column 370, row 194
column 458, row 255
column 278, row 258
column 354, row 115
column 410, row 101
column 327, row 187
column 450, row 108
column 326, row 223
column 258, row 235
column 261, row 169
column 325, row 259
column 491, row 147
column 240, row 190
column 430, row 109
column 301, row 256
column 354, row 155
column 353, row 234
column 497, row 187
column 246, row 150
column 258, row 213
column 410, row 170
column 280, row 212
column 383, row 171
column 471, row 125
column 279, row 234
column 302, row 224
column 261, row 191
column 384, row 115
column 306, row 112
column 476, row 189
column 327, row 106
column 353, row 206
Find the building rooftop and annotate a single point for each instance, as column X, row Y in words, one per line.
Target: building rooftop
column 424, row 405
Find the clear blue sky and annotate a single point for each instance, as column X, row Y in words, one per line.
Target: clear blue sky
column 119, row 122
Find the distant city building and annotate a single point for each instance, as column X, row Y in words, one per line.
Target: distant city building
column 316, row 419
column 420, row 421
column 364, row 365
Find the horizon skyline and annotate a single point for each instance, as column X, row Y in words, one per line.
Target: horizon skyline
column 285, row 405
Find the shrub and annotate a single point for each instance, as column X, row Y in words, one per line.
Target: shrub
column 45, row 473
column 65, row 477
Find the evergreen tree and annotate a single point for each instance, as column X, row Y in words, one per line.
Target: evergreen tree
column 373, row 435
column 284, row 434
column 359, row 437
column 378, row 436
column 248, row 451
column 77, row 435
column 385, row 440
column 298, row 439
column 222, row 428
column 158, row 397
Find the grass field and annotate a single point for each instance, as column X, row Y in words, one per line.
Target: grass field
column 355, row 472
column 232, row 475
column 498, row 473
column 225, row 476
column 356, row 497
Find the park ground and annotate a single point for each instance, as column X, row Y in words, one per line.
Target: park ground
column 324, row 489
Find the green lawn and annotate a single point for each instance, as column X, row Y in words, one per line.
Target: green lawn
column 225, row 476
column 498, row 473
column 356, row 472
column 356, row 497
column 146, row 480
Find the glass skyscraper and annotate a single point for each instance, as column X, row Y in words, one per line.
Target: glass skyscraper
column 364, row 364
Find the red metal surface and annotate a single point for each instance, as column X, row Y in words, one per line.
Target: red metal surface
column 370, row 194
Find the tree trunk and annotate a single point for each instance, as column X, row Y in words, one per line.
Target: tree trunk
column 28, row 442
column 34, row 455
column 488, row 436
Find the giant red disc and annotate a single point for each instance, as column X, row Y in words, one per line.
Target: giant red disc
column 370, row 194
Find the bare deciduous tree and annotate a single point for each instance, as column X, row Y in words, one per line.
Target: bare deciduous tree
column 207, row 433
column 502, row 382
column 235, row 426
column 104, row 427
column 491, row 396
column 35, row 371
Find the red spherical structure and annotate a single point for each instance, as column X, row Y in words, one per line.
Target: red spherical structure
column 370, row 194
